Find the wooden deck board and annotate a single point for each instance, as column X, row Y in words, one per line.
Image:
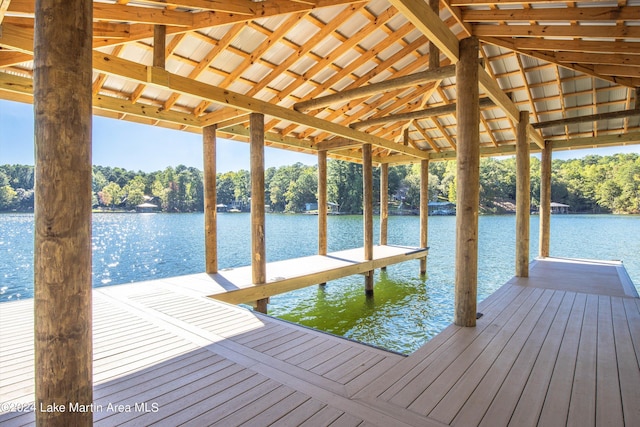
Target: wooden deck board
column 541, row 355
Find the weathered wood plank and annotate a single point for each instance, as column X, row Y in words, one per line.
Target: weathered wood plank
column 582, row 408
column 530, row 375
column 628, row 366
column 608, row 399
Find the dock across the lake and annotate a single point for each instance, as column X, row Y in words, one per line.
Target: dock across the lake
column 234, row 285
column 561, row 347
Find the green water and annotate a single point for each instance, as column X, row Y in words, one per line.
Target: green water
column 406, row 310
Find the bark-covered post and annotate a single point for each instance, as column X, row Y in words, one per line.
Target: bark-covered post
column 424, row 211
column 523, row 196
column 258, row 255
column 62, row 251
column 545, row 200
column 210, row 200
column 367, row 187
column 468, row 187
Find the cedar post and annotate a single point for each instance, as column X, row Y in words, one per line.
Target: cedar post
column 545, row 200
column 384, row 203
column 434, row 52
column 467, row 188
column 62, row 249
column 258, row 257
column 322, row 202
column 159, row 45
column 210, row 200
column 424, row 211
column 367, row 187
column 523, row 196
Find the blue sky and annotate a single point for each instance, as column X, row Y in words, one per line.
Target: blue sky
column 140, row 147
column 133, row 146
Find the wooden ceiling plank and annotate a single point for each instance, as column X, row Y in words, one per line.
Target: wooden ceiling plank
column 9, row 58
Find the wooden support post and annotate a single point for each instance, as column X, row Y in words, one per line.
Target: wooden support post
column 367, row 187
column 523, row 196
column 159, row 45
column 258, row 256
column 62, row 251
column 210, row 200
column 434, row 52
column 545, row 200
column 384, row 204
column 468, row 187
column 322, row 204
column 424, row 211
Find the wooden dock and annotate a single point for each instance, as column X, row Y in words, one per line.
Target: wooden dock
column 234, row 285
column 559, row 348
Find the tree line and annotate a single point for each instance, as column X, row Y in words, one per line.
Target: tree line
column 593, row 184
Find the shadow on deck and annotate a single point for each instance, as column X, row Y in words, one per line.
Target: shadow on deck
column 559, row 348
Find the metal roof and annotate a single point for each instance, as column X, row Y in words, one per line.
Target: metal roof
column 554, row 59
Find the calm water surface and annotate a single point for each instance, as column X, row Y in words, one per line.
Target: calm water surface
column 407, row 309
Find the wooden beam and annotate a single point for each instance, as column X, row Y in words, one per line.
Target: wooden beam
column 338, row 144
column 630, row 138
column 421, row 114
column 545, row 201
column 535, row 135
column 586, row 119
column 493, row 91
column 210, row 200
column 424, row 19
column 62, row 231
column 159, row 45
column 583, row 14
column 468, row 184
column 434, row 51
column 162, row 78
column 375, row 88
column 584, row 46
column 4, row 5
column 367, row 202
column 523, row 196
column 576, row 31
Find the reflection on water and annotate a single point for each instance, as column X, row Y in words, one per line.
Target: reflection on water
column 406, row 310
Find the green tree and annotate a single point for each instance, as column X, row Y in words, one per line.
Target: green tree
column 8, row 198
column 134, row 192
column 111, row 194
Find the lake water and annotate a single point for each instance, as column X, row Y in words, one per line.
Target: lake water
column 406, row 311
